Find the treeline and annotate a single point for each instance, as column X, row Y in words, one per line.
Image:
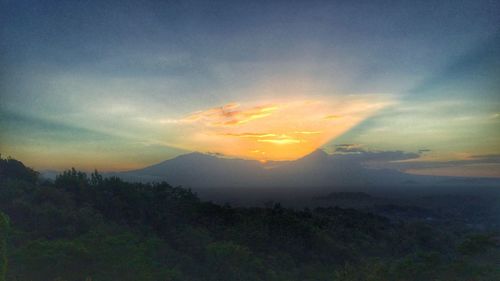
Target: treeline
column 86, row 227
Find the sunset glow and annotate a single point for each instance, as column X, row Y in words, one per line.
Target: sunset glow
column 120, row 88
column 277, row 130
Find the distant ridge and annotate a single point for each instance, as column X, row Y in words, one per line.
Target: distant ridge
column 317, row 172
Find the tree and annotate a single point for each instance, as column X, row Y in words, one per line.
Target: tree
column 476, row 244
column 13, row 169
column 230, row 261
column 4, row 227
column 96, row 178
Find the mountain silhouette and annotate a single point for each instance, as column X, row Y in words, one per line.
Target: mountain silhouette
column 197, row 170
column 312, row 175
column 316, row 170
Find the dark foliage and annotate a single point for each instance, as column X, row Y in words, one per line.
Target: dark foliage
column 95, row 228
column 13, row 169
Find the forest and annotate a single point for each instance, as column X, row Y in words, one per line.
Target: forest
column 88, row 227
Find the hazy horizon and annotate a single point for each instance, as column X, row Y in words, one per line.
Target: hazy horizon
column 398, row 161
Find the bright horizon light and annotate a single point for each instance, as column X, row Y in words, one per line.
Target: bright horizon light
column 272, row 130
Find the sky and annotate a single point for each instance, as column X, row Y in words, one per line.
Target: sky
column 118, row 85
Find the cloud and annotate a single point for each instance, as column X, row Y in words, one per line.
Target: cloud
column 274, row 138
column 230, row 115
column 332, row 117
column 485, row 158
column 467, row 160
column 485, row 165
column 356, row 151
column 251, row 135
column 270, row 130
column 376, row 156
column 308, row 133
column 348, row 148
column 281, row 141
column 475, row 165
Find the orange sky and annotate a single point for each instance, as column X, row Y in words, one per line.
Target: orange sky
column 272, row 130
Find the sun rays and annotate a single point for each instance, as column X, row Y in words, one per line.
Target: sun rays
column 273, row 130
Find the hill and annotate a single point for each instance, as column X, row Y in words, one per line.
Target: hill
column 88, row 227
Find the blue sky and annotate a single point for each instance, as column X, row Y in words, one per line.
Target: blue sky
column 108, row 84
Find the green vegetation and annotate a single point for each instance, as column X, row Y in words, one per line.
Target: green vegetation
column 4, row 227
column 84, row 227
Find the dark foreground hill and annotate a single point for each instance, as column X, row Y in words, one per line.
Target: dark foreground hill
column 86, row 227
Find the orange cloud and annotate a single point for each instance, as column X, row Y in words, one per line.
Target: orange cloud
column 277, row 130
column 308, row 133
column 332, row 117
column 230, row 115
column 250, row 135
column 281, row 141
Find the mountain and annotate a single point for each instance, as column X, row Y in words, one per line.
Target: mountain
column 197, row 170
column 315, row 174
